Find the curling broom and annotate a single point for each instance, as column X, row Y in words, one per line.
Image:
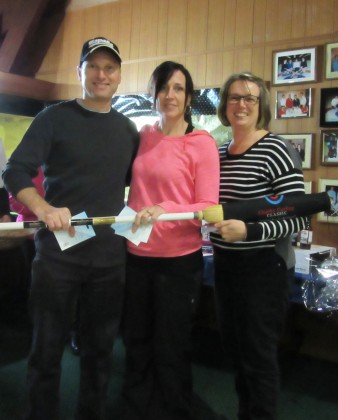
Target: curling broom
column 266, row 208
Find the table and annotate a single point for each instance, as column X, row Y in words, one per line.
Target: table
column 317, row 253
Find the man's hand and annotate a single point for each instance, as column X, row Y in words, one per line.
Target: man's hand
column 56, row 218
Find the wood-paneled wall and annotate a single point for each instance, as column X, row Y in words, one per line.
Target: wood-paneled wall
column 213, row 38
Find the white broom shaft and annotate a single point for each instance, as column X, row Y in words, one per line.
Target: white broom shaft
column 130, row 219
column 165, row 217
column 102, row 220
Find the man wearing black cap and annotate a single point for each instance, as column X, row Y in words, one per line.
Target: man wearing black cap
column 86, row 150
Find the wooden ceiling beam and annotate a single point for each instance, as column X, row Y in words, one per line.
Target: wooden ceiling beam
column 27, row 87
column 27, row 28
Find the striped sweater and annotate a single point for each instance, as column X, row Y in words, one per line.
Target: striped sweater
column 269, row 167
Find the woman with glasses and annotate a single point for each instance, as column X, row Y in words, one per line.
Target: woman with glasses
column 254, row 261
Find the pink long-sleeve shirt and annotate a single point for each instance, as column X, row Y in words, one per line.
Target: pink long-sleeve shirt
column 24, row 214
column 180, row 174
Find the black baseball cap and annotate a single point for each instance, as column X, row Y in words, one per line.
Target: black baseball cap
column 94, row 44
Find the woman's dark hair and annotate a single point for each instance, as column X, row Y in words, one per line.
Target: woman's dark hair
column 160, row 77
column 264, row 114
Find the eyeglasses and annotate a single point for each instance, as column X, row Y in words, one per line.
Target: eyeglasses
column 248, row 99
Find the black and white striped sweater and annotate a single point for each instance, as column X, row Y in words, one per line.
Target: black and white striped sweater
column 270, row 167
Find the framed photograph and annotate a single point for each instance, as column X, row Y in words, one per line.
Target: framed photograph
column 329, row 144
column 308, row 187
column 294, row 66
column 330, row 186
column 302, row 143
column 331, row 61
column 329, row 107
column 293, row 103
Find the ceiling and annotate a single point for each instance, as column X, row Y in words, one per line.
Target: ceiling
column 82, row 4
column 27, row 28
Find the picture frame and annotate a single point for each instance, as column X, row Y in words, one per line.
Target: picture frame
column 330, row 186
column 303, row 144
column 308, row 187
column 294, row 66
column 293, row 103
column 329, row 107
column 329, row 147
column 331, row 61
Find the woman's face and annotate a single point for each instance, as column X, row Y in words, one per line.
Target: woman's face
column 243, row 113
column 171, row 98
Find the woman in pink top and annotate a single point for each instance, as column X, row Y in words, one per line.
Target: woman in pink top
column 24, row 214
column 176, row 170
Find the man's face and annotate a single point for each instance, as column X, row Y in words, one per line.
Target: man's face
column 100, row 76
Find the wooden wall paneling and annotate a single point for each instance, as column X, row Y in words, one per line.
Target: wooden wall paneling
column 90, row 23
column 64, row 53
column 335, row 25
column 114, row 23
column 135, row 30
column 62, row 76
column 228, row 64
column 320, row 16
column 316, row 157
column 243, row 59
column 230, row 23
column 258, row 61
column 216, row 16
column 298, row 19
column 312, row 175
column 259, row 21
column 294, row 125
column 49, row 66
column 66, row 91
column 315, row 95
column 75, row 39
column 308, row 125
column 267, row 75
column 125, row 21
column 149, row 23
column 108, row 25
column 162, row 27
column 145, row 69
column 278, row 126
column 278, row 20
column 128, row 79
column 284, row 11
column 197, row 65
column 72, row 75
column 244, row 22
column 178, row 58
column 197, row 26
column 214, row 71
column 177, row 27
column 327, row 231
